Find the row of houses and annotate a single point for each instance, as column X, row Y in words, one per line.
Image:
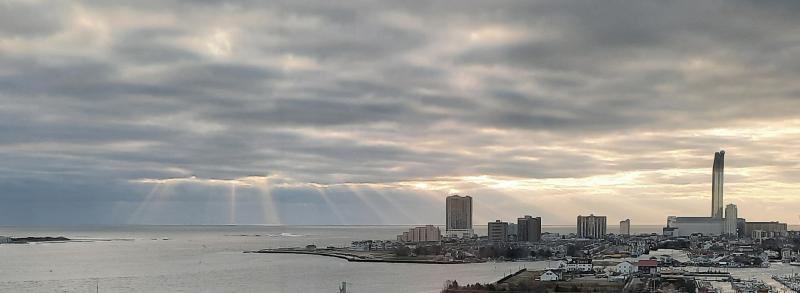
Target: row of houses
column 626, row 268
column 556, row 270
column 374, row 245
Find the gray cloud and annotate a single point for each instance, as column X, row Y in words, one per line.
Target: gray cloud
column 361, row 106
column 20, row 19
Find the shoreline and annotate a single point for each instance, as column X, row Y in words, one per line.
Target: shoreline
column 354, row 258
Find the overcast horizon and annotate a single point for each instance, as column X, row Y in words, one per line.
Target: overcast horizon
column 369, row 113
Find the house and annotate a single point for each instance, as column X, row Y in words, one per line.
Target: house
column 579, row 265
column 625, row 268
column 647, row 266
column 361, row 245
column 550, row 275
column 786, row 254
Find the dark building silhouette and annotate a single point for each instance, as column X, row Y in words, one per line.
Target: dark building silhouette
column 459, row 216
column 529, row 229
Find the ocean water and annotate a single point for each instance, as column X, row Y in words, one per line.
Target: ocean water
column 210, row 259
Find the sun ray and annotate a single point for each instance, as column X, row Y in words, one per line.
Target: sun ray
column 323, row 193
column 232, row 205
column 135, row 216
column 268, row 208
column 406, row 216
column 365, row 199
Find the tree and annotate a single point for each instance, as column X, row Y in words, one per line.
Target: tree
column 402, row 251
column 572, row 250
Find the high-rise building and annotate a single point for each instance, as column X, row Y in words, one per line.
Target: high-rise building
column 625, row 227
column 529, row 229
column 498, row 231
column 459, row 216
column 717, row 174
column 591, row 226
column 731, row 217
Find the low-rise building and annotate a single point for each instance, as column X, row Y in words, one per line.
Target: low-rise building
column 685, row 226
column 647, row 266
column 550, row 275
column 625, row 268
column 579, row 265
column 764, row 230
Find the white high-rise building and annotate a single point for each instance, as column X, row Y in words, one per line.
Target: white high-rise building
column 625, row 227
column 731, row 215
column 459, row 216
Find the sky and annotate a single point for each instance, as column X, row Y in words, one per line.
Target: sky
column 372, row 112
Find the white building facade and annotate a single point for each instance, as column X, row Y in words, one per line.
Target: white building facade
column 591, row 226
column 625, row 227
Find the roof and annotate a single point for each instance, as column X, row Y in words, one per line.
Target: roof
column 580, row 261
column 698, row 220
column 647, row 263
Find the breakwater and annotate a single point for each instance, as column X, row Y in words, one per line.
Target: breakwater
column 356, row 258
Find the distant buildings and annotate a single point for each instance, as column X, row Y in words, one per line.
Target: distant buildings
column 498, row 231
column 428, row 233
column 685, row 226
column 550, row 276
column 459, row 216
column 591, row 226
column 579, row 265
column 718, row 223
column 731, row 217
column 371, row 245
column 717, row 173
column 512, row 231
column 625, row 268
column 763, row 230
column 647, row 266
column 529, row 229
column 625, row 227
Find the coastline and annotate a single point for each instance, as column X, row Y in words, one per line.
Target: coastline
column 357, row 258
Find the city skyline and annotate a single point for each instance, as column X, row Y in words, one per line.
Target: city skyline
column 313, row 113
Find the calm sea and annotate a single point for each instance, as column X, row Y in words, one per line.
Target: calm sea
column 210, row 259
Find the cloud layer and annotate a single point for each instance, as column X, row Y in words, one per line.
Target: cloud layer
column 312, row 112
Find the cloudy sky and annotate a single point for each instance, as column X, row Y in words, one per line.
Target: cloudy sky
column 362, row 112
